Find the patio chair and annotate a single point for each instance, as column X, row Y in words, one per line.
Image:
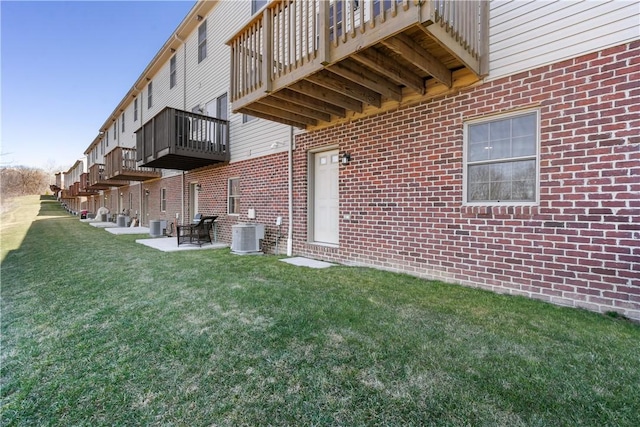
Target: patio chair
column 196, row 234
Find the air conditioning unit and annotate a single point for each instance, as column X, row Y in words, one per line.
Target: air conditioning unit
column 245, row 238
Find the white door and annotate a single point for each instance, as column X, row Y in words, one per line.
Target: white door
column 193, row 200
column 325, row 197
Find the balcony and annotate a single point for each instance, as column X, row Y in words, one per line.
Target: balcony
column 120, row 164
column 313, row 63
column 176, row 139
column 83, row 187
column 98, row 179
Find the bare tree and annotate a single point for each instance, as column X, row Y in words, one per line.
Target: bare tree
column 22, row 181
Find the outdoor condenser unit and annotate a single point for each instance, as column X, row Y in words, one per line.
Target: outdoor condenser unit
column 245, row 238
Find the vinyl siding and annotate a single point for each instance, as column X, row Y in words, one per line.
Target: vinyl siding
column 527, row 34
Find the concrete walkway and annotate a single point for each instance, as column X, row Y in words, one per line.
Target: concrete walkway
column 306, row 262
column 170, row 244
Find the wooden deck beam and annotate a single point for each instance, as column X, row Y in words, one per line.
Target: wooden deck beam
column 326, row 95
column 420, row 57
column 340, row 84
column 391, row 69
column 361, row 75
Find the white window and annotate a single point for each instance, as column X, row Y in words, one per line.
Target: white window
column 115, row 130
column 122, row 121
column 234, row 196
column 256, row 5
column 172, row 72
column 163, row 199
column 149, row 95
column 501, row 159
column 246, row 118
column 202, row 41
column 135, row 110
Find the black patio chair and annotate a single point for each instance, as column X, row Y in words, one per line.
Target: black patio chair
column 196, row 234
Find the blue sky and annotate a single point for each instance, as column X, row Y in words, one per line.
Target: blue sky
column 65, row 65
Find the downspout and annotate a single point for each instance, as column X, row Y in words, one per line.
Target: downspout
column 290, row 232
column 184, row 107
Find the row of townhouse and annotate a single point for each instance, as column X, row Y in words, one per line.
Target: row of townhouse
column 493, row 144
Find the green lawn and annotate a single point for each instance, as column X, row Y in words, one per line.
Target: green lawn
column 99, row 330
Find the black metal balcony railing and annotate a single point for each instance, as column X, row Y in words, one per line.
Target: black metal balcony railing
column 313, row 62
column 177, row 139
column 120, row 164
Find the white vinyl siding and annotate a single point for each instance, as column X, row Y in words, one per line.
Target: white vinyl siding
column 528, row 34
column 206, row 81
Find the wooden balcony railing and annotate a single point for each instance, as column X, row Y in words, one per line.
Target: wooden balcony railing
column 98, row 179
column 176, row 139
column 311, row 61
column 84, row 186
column 74, row 189
column 121, row 164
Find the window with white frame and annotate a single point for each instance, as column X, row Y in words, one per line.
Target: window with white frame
column 246, row 118
column 163, row 200
column 135, row 110
column 122, row 120
column 501, row 159
column 234, row 196
column 202, row 41
column 115, row 130
column 149, row 95
column 172, row 72
column 256, row 5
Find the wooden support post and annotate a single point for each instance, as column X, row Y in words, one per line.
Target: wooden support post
column 323, row 32
column 267, row 50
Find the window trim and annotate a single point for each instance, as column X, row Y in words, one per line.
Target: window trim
column 122, row 120
column 255, row 7
column 150, row 95
column 229, row 196
column 173, row 75
column 248, row 118
column 135, row 110
column 202, row 43
column 536, row 157
column 163, row 200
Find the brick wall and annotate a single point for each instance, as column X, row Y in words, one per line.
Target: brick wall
column 403, row 189
column 263, row 187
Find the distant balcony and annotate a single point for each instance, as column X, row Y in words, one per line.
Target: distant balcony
column 176, row 139
column 120, row 164
column 98, row 179
column 310, row 63
column 73, row 189
column 84, row 188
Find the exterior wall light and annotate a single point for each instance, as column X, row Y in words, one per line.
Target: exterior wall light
column 198, row 187
column 346, row 158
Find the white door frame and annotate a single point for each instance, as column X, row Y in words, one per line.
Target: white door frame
column 311, row 209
